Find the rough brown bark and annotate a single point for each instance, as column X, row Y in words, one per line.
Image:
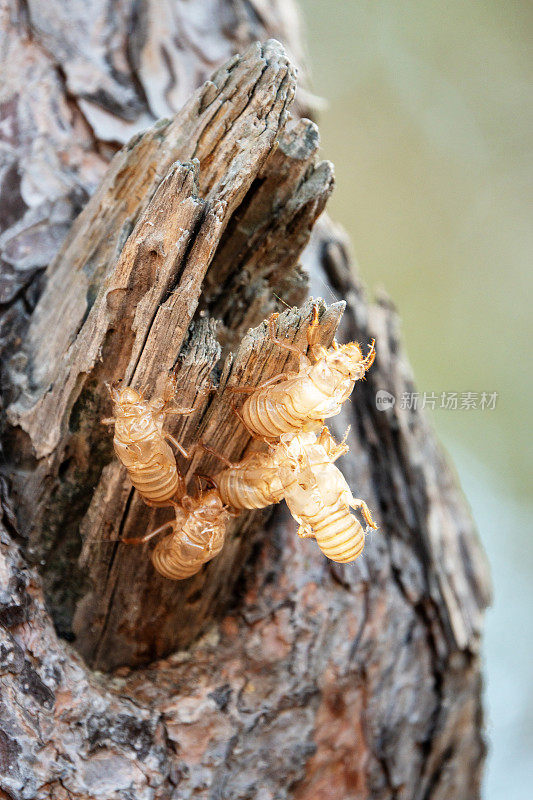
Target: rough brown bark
column 206, row 200
column 310, row 679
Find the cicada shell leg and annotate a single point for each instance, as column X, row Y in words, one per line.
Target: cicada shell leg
column 225, row 461
column 273, row 338
column 313, row 331
column 178, row 446
column 148, row 536
column 360, row 505
column 331, row 447
column 370, row 356
column 305, row 532
column 248, row 389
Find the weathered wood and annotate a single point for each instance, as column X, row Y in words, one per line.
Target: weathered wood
column 354, row 681
column 133, row 615
column 82, row 79
column 351, row 682
column 126, row 303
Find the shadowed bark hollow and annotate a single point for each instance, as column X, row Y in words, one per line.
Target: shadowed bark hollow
column 200, row 219
column 280, row 674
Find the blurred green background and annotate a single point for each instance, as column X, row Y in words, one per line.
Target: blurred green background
column 429, row 122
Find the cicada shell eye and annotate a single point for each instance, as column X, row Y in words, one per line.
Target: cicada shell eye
column 129, row 396
column 212, row 502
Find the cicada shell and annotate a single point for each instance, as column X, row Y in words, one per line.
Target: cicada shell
column 254, row 482
column 198, row 534
column 142, row 446
column 302, row 400
column 300, row 469
column 320, row 499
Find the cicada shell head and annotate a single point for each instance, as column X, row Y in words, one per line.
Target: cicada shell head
column 211, row 505
column 347, row 360
column 125, row 398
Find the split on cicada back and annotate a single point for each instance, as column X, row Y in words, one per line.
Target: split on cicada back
column 287, row 413
column 302, row 400
column 300, row 469
column 142, row 444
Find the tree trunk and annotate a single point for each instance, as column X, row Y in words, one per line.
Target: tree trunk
column 280, row 674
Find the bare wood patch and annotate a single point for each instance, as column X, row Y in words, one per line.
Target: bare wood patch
column 126, row 300
column 364, row 680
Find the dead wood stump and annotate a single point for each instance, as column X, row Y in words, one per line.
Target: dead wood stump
column 310, row 679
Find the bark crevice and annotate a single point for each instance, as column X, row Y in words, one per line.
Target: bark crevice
column 271, row 673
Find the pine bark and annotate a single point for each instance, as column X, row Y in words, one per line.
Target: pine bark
column 273, row 673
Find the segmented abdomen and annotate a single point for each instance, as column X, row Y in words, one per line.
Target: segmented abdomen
column 270, row 419
column 151, row 467
column 183, row 552
column 237, row 490
column 338, row 533
column 156, row 482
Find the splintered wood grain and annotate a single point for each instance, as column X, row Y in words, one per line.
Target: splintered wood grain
column 78, row 82
column 133, row 614
column 356, row 682
column 133, row 323
column 230, row 125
